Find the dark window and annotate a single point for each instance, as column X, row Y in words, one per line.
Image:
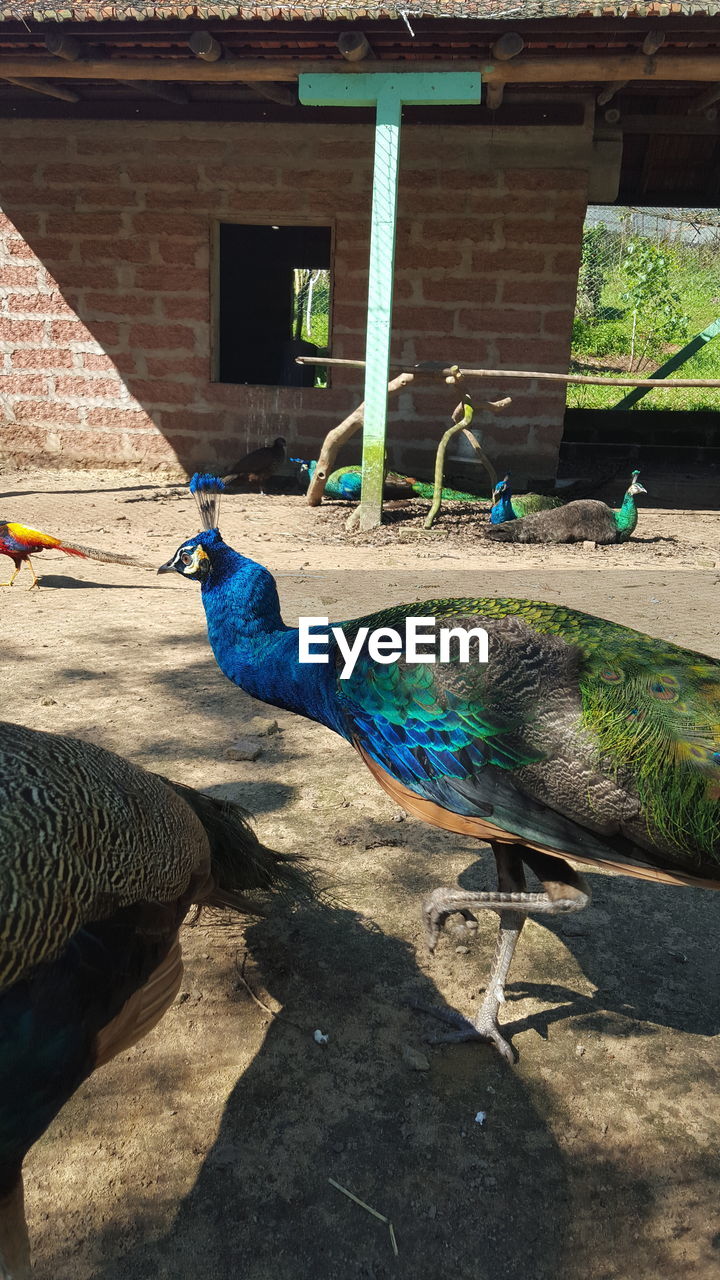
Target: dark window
column 274, row 304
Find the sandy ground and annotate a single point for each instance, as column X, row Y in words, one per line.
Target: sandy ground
column 205, row 1152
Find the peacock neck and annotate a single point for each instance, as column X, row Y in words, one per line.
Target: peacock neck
column 627, row 517
column 502, row 510
column 253, row 646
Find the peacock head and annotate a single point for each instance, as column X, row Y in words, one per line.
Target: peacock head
column 502, row 489
column 635, row 485
column 194, row 558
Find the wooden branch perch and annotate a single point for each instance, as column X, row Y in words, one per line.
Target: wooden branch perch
column 337, row 437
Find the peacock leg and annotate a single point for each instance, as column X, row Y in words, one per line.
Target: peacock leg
column 10, row 582
column 564, row 891
column 34, row 582
column 14, row 1242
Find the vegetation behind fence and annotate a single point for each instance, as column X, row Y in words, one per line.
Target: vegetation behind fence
column 649, row 281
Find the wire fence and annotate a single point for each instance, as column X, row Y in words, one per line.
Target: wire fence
column 649, row 283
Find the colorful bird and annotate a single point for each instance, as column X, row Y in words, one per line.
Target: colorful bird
column 510, row 506
column 346, row 482
column 19, row 543
column 258, row 466
column 99, row 862
column 579, row 738
column 585, row 520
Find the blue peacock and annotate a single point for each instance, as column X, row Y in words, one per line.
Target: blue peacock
column 578, row 739
column 346, row 482
column 509, row 506
column 585, row 520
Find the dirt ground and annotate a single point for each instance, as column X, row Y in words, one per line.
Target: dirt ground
column 205, row 1152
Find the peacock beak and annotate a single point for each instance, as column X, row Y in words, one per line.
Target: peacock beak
column 168, row 567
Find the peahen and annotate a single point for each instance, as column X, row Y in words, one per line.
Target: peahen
column 579, row 739
column 510, row 506
column 19, row 543
column 346, row 482
column 586, row 520
column 258, row 466
column 99, row 862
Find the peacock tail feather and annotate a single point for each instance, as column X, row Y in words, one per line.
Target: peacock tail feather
column 525, row 504
column 423, row 490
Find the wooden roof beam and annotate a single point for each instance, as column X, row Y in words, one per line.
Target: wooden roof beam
column 653, row 41
column 354, row 46
column 705, row 102
column 206, row 47
column 69, row 49
column 563, row 69
column 42, row 86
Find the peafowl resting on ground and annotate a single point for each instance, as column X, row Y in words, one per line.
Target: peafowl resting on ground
column 19, row 543
column 578, row 739
column 586, row 520
column 99, row 862
column 510, row 506
column 346, row 482
column 258, row 466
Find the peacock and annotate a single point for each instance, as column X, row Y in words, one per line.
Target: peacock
column 346, row 482
column 258, row 466
column 99, row 862
column 585, row 520
column 578, row 738
column 510, row 506
column 19, row 543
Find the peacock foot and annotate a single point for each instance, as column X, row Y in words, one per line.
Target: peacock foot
column 485, row 1028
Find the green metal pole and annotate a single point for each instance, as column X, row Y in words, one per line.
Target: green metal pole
column 680, row 357
column 380, row 302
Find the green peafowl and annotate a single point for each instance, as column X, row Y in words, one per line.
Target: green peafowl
column 511, row 506
column 346, row 482
column 99, row 863
column 585, row 520
column 578, row 738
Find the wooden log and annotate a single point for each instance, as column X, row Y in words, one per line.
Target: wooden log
column 574, row 378
column 705, row 100
column 653, row 41
column 507, row 47
column 205, row 46
column 60, row 45
column 209, row 50
column 336, row 438
column 495, row 94
column 546, row 69
column 608, row 93
column 354, row 46
column 165, row 92
column 42, row 86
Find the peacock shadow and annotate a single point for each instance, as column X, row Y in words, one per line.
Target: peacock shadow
column 406, row 1141
column 62, row 581
column 643, row 946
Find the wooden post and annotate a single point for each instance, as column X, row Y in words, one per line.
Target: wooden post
column 386, row 93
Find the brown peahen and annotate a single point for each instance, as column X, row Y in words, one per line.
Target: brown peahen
column 99, row 863
column 258, row 466
column 586, row 520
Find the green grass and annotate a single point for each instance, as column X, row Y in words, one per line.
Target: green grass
column 607, row 334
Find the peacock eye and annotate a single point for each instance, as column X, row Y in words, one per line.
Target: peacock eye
column 186, row 558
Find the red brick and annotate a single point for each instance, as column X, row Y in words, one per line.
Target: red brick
column 120, row 304
column 166, row 225
column 178, row 308
column 44, row 304
column 178, row 367
column 108, row 198
column 175, row 200
column 89, row 388
column 475, row 230
column 420, row 319
column 21, row 330
column 19, row 276
column 41, row 358
column 85, row 275
column 533, row 231
column 562, row 180
column 103, row 331
column 26, row 223
column 167, row 280
column 486, row 262
column 41, row 248
column 162, row 337
column 23, row 384
column 132, row 419
column 567, row 262
column 133, row 250
column 154, row 391
column 84, row 224
column 181, row 252
column 496, row 320
column 77, row 175
column 533, row 353
column 47, row 410
column 558, row 322
column 546, row 292
column 460, row 289
column 121, row 362
column 238, row 176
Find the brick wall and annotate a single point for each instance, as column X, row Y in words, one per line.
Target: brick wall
column 105, row 269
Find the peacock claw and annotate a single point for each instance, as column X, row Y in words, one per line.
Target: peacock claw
column 436, row 916
column 485, row 1029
